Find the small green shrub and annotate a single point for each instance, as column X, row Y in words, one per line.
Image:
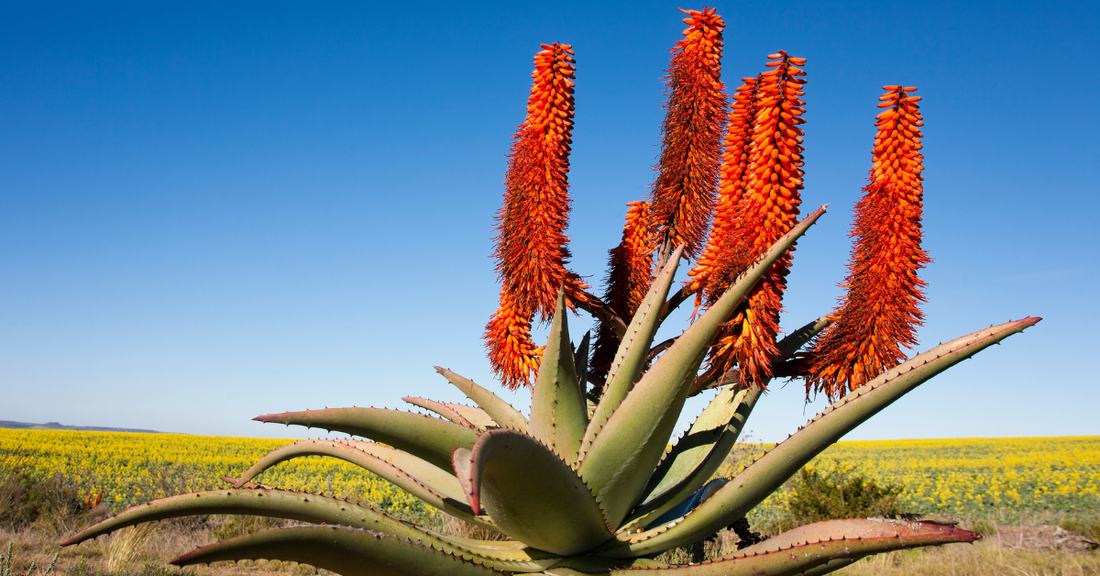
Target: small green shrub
column 839, row 492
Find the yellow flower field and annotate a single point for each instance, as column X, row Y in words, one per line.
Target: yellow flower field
column 136, row 468
column 1001, row 478
column 1005, row 479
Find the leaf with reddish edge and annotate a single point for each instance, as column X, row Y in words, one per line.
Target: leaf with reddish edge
column 503, row 413
column 633, row 352
column 447, row 411
column 422, row 479
column 696, row 456
column 344, row 551
column 534, row 496
column 559, row 413
column 429, row 438
column 768, row 472
column 812, row 549
column 629, row 446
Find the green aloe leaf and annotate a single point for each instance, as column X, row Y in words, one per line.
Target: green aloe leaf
column 503, row 413
column 630, row 359
column 697, row 455
column 419, row 477
column 534, row 496
column 818, row 548
column 794, row 341
column 274, row 503
column 468, row 416
column 266, row 502
column 628, row 448
column 344, row 551
column 430, row 438
column 767, row 473
column 559, row 413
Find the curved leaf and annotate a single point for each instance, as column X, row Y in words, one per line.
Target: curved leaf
column 347, row 552
column 633, row 352
column 767, row 473
column 430, row 438
column 267, row 502
column 698, row 454
column 501, row 412
column 559, row 413
column 535, row 497
column 449, row 411
column 420, row 478
column 629, row 446
column 820, row 548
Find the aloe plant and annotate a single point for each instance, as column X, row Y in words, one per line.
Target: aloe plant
column 587, row 482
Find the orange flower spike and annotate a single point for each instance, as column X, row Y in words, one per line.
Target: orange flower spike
column 731, row 188
column 683, row 194
column 532, row 247
column 880, row 311
column 512, row 353
column 768, row 210
column 628, row 278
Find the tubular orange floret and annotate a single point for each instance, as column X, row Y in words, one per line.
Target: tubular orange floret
column 628, row 278
column 767, row 211
column 683, row 193
column 880, row 311
column 512, row 353
column 731, row 189
column 531, row 245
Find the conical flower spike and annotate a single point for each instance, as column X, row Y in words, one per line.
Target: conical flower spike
column 683, row 195
column 880, row 313
column 711, row 270
column 512, row 353
column 531, row 247
column 768, row 210
column 628, row 277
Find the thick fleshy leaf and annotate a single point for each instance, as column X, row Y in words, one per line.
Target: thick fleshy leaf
column 268, row 502
column 767, row 473
column 503, row 413
column 559, row 413
column 534, row 496
column 273, row 503
column 447, row 411
column 432, row 439
column 629, row 446
column 426, row 481
column 580, row 360
column 794, row 341
column 818, row 548
column 633, row 352
column 698, row 454
column 340, row 550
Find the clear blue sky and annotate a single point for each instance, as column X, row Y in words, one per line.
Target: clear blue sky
column 210, row 212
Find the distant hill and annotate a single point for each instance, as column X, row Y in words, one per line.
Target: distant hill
column 59, row 426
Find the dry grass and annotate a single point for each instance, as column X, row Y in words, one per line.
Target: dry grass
column 981, row 559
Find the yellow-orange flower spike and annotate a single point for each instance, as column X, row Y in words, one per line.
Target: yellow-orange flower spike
column 531, row 246
column 531, row 249
column 628, row 278
column 767, row 211
column 512, row 353
column 880, row 311
column 683, row 194
column 731, row 189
